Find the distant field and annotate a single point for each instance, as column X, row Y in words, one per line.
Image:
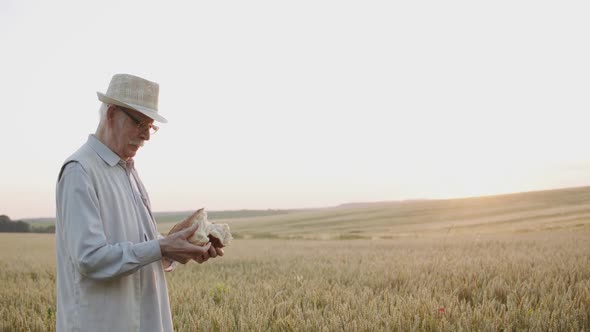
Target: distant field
column 168, row 217
column 522, row 212
column 525, row 212
column 511, row 263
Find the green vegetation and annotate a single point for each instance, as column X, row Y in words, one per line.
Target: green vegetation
column 19, row 226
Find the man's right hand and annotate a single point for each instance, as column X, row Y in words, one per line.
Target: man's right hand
column 176, row 246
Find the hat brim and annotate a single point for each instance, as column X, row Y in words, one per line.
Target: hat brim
column 146, row 111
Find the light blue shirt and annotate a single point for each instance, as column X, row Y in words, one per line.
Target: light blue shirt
column 110, row 276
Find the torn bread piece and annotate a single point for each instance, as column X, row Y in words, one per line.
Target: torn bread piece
column 218, row 234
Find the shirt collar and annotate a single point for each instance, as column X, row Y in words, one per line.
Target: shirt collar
column 103, row 151
column 128, row 165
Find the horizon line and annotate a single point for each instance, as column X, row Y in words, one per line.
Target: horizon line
column 351, row 203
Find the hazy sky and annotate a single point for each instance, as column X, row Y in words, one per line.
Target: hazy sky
column 284, row 104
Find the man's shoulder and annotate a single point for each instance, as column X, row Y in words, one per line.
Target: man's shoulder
column 84, row 154
column 81, row 158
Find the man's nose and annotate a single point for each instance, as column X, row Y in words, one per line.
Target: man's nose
column 145, row 135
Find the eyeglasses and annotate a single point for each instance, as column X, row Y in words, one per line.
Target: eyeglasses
column 141, row 125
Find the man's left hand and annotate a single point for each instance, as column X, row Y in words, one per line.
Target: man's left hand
column 211, row 253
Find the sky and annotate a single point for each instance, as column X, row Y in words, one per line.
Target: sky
column 291, row 104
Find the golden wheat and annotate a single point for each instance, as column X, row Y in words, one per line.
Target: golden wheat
column 535, row 281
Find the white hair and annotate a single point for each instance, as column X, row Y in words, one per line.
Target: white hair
column 102, row 114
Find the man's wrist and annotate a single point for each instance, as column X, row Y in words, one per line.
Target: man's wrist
column 163, row 242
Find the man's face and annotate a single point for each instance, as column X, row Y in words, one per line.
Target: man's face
column 129, row 135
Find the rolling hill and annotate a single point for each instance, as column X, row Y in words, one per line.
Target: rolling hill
column 520, row 212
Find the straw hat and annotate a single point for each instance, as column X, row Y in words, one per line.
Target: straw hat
column 135, row 93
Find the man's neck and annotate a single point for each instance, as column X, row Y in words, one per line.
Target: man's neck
column 107, row 140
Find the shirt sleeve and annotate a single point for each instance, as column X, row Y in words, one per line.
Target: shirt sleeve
column 83, row 234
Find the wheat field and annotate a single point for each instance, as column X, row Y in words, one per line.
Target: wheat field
column 536, row 281
column 518, row 262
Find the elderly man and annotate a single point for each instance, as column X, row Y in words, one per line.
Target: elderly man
column 110, row 257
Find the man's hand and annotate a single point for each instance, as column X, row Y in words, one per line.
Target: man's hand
column 176, row 246
column 211, row 253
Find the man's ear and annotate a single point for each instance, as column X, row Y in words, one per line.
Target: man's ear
column 111, row 112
